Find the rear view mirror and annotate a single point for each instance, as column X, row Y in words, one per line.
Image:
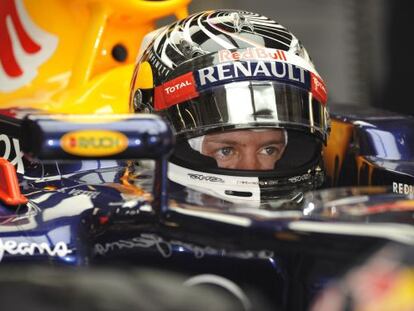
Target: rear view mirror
column 71, row 137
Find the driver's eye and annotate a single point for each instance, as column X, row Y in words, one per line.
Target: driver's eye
column 269, row 150
column 225, row 151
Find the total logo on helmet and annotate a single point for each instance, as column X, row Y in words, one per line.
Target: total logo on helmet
column 177, row 86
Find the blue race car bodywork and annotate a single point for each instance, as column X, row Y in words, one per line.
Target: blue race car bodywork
column 118, row 212
column 369, row 146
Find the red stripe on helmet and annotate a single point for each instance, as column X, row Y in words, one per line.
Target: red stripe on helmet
column 318, row 89
column 175, row 91
column 281, row 55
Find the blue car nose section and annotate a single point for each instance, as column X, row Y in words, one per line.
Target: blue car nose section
column 130, row 137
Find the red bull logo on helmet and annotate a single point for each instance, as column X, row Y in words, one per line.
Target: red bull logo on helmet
column 251, row 54
column 24, row 46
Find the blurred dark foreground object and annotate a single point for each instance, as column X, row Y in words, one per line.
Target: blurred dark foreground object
column 50, row 288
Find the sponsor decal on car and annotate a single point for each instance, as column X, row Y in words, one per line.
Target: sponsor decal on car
column 402, row 188
column 92, row 143
column 12, row 247
column 166, row 248
column 8, row 148
column 24, row 46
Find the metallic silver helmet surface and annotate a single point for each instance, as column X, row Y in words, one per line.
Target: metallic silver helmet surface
column 245, row 100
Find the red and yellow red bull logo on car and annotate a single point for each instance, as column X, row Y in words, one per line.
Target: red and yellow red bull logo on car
column 24, row 46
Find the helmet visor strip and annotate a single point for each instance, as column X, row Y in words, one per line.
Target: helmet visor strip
column 212, row 92
column 209, row 70
column 248, row 104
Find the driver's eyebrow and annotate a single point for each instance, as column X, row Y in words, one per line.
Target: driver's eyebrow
column 233, row 142
column 221, row 141
column 273, row 142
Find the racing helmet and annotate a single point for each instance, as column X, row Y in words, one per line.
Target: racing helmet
column 228, row 79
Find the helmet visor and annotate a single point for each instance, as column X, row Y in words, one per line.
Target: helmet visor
column 248, row 104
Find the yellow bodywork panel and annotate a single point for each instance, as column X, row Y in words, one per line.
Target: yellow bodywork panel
column 106, row 93
column 337, row 146
column 365, row 171
column 57, row 55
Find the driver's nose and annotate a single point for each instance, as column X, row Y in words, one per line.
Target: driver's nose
column 248, row 161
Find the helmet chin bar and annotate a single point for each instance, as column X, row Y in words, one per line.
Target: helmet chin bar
column 230, row 188
column 252, row 191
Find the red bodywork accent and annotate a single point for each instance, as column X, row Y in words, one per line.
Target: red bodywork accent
column 7, row 57
column 9, row 112
column 9, row 185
